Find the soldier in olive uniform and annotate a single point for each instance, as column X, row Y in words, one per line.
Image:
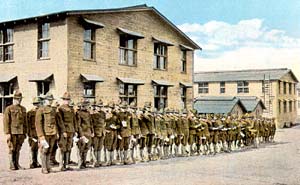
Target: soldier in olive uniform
column 192, row 133
column 148, row 119
column 47, row 125
column 15, row 128
column 98, row 122
column 134, row 116
column 86, row 133
column 184, row 122
column 143, row 139
column 32, row 135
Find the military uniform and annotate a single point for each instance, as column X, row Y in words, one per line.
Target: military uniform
column 86, row 132
column 47, row 126
column 32, row 138
column 125, row 132
column 15, row 125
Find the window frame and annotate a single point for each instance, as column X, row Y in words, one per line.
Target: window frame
column 43, row 84
column 160, row 93
column 126, row 50
column 183, row 95
column 125, row 95
column 183, row 61
column 243, row 87
column 203, row 87
column 222, row 87
column 156, row 62
column 6, row 45
column 90, row 41
column 41, row 40
column 89, row 86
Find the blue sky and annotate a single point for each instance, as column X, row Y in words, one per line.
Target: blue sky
column 234, row 34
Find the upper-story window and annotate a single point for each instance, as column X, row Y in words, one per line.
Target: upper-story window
column 183, row 61
column 183, row 97
column 243, row 87
column 128, row 50
column 43, row 40
column 222, row 87
column 290, row 88
column 284, row 87
column 160, row 56
column 203, row 88
column 6, row 44
column 279, row 87
column 89, row 43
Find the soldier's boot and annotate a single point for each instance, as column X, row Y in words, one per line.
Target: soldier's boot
column 32, row 161
column 99, row 158
column 84, row 156
column 67, row 160
column 201, row 151
column 36, row 159
column 206, row 151
column 122, row 156
column 132, row 158
column 216, row 148
column 12, row 161
column 116, row 160
column 95, row 162
column 126, row 160
column 80, row 161
column 211, row 149
column 48, row 161
column 44, row 163
column 17, row 161
column 107, row 158
column 62, row 161
column 146, row 154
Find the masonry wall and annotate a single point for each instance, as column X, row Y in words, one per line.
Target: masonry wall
column 107, row 65
column 25, row 62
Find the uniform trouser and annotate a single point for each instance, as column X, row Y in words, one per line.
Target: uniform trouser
column 185, row 137
column 143, row 141
column 34, row 147
column 178, row 140
column 150, row 140
column 124, row 143
column 14, row 146
column 83, row 149
column 65, row 143
column 110, row 141
column 192, row 139
column 98, row 143
column 46, row 152
column 53, row 153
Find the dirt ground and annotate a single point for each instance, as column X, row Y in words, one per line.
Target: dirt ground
column 277, row 164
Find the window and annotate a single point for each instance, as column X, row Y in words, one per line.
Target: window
column 183, row 97
column 290, row 88
column 222, row 87
column 279, row 87
column 160, row 56
column 284, row 87
column 183, row 61
column 128, row 50
column 43, row 88
column 263, row 86
column 284, row 106
column 6, row 44
column 160, row 96
column 290, row 106
column 203, row 88
column 243, row 87
column 128, row 93
column 279, row 106
column 89, row 89
column 89, row 44
column 43, row 40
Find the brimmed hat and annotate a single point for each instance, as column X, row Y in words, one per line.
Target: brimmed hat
column 85, row 102
column 17, row 95
column 66, row 96
column 36, row 100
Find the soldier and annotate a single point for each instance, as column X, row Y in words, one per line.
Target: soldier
column 273, row 130
column 143, row 139
column 135, row 131
column 67, row 118
column 148, row 118
column 86, row 133
column 53, row 161
column 15, row 128
column 185, row 132
column 125, row 133
column 158, row 153
column 47, row 125
column 177, row 127
column 98, row 122
column 110, row 140
column 32, row 135
column 192, row 132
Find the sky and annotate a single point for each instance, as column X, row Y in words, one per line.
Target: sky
column 234, row 34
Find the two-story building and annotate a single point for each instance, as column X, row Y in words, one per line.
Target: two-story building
column 275, row 87
column 133, row 54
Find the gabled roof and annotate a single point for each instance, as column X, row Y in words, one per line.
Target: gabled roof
column 251, row 102
column 243, row 75
column 142, row 7
column 217, row 105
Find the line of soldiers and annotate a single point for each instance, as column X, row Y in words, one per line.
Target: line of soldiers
column 122, row 134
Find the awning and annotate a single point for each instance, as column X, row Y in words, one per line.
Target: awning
column 6, row 78
column 92, row 23
column 157, row 40
column 39, row 77
column 91, row 78
column 162, row 82
column 131, row 81
column 184, row 47
column 131, row 33
column 186, row 84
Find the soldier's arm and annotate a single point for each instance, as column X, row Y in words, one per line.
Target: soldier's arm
column 60, row 123
column 92, row 124
column 39, row 123
column 79, row 124
column 7, row 121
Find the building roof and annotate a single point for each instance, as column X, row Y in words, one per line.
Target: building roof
column 40, row 77
column 251, row 102
column 243, row 75
column 91, row 78
column 142, row 7
column 216, row 104
column 131, row 81
column 7, row 77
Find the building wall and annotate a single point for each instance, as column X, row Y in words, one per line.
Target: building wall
column 255, row 89
column 237, row 110
column 107, row 57
column 298, row 102
column 25, row 62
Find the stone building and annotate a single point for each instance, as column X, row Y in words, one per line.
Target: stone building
column 275, row 87
column 134, row 54
column 254, row 105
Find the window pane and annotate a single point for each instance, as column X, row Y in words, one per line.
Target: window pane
column 122, row 88
column 1, row 53
column 155, row 62
column 122, row 41
column 9, row 35
column 183, row 54
column 162, row 63
column 45, row 30
column 1, row 36
column 130, row 57
column 122, row 56
column 240, row 83
column 8, row 53
column 88, row 34
column 89, row 89
column 130, row 44
column 87, row 50
column 43, row 49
